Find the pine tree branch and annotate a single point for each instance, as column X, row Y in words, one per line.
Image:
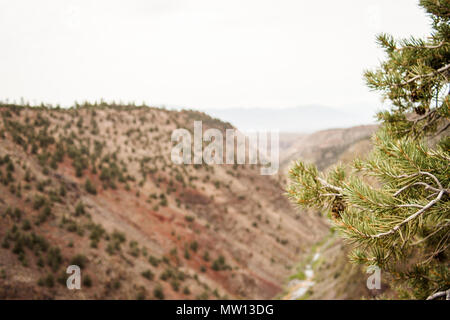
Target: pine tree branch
column 329, row 186
column 440, row 294
column 411, row 217
column 431, row 195
column 331, row 195
column 437, row 46
column 443, row 129
column 423, row 117
column 412, row 205
column 427, row 75
column 434, row 178
column 427, row 186
column 422, row 173
column 442, row 246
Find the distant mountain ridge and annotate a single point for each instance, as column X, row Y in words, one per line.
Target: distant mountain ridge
column 325, row 147
column 303, row 119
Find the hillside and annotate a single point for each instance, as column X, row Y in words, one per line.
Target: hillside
column 94, row 186
column 326, row 147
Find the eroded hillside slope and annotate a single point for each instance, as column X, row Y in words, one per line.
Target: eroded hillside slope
column 325, row 148
column 94, row 186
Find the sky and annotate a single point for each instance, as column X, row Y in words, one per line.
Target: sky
column 201, row 54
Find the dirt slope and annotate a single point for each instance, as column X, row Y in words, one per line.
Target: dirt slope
column 94, row 186
column 324, row 148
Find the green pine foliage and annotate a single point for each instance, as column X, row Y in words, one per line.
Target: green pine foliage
column 394, row 205
column 414, row 77
column 90, row 188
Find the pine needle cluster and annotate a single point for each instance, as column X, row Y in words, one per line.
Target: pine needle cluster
column 400, row 222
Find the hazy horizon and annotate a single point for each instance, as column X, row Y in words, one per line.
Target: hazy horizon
column 198, row 54
column 300, row 119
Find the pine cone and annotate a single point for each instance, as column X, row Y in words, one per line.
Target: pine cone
column 420, row 110
column 414, row 96
column 337, row 207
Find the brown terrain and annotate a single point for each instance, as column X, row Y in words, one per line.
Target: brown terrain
column 325, row 148
column 94, row 186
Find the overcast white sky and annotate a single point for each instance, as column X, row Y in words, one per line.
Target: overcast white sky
column 198, row 53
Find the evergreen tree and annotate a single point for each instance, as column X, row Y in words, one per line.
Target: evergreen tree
column 89, row 186
column 401, row 222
